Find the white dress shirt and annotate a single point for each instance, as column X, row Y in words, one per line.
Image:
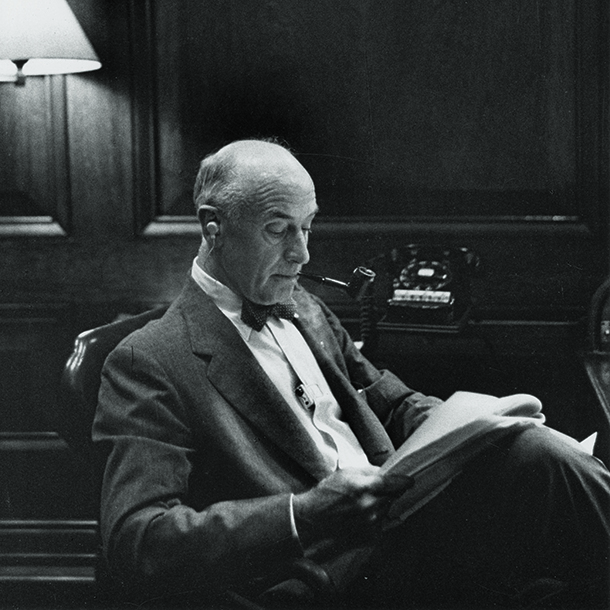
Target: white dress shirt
column 284, row 355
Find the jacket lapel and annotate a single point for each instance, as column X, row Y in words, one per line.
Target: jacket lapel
column 366, row 425
column 214, row 337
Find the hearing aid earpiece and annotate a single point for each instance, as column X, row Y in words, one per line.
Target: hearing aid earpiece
column 213, row 229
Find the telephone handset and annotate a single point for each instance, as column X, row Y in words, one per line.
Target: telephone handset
column 428, row 285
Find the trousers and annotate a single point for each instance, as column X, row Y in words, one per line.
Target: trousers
column 526, row 524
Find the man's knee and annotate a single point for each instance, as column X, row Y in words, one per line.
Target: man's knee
column 541, row 449
column 539, row 469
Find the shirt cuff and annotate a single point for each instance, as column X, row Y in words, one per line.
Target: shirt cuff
column 293, row 524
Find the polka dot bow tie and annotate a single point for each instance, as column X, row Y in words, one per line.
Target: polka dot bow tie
column 256, row 315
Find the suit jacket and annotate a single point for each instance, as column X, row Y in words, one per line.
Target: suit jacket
column 201, row 452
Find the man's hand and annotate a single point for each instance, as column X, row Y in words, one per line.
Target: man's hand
column 346, row 502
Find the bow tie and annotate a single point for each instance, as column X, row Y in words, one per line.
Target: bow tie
column 256, row 315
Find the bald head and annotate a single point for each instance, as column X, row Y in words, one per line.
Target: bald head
column 237, row 176
column 256, row 154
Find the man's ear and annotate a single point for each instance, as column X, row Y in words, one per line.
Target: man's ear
column 210, row 222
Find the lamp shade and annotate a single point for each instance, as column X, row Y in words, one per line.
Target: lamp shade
column 42, row 37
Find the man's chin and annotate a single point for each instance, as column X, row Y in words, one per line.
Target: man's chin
column 279, row 296
column 283, row 293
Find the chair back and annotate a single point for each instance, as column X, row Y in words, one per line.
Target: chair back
column 81, row 377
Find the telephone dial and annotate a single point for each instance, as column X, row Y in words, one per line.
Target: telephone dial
column 426, row 285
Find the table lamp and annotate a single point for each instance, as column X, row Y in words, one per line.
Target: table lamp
column 40, row 37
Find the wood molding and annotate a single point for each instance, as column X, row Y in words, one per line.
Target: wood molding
column 30, row 226
column 48, row 563
column 31, row 441
column 144, row 115
column 165, row 226
column 463, row 226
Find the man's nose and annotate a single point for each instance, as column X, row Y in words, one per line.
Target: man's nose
column 297, row 251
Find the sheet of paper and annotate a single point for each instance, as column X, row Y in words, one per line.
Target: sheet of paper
column 588, row 444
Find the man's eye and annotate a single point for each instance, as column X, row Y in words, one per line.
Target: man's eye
column 276, row 230
column 280, row 230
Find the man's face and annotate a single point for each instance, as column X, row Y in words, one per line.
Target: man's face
column 261, row 255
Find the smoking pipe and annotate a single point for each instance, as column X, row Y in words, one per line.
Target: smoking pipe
column 360, row 277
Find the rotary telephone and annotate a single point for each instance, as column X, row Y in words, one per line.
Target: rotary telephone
column 422, row 286
column 425, row 285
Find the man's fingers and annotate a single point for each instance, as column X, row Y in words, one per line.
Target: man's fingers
column 395, row 485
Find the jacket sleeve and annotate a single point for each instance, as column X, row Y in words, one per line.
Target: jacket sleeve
column 152, row 537
column 400, row 408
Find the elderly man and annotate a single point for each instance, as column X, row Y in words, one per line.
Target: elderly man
column 236, row 437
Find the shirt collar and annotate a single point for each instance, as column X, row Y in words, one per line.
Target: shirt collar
column 224, row 298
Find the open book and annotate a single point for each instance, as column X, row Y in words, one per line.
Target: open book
column 454, row 432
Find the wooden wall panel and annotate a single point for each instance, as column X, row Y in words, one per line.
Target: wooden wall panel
column 34, row 345
column 397, row 109
column 427, row 121
column 471, row 124
column 34, row 170
column 475, row 100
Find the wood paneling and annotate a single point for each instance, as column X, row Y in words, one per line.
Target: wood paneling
column 468, row 123
column 34, row 170
column 442, row 121
column 397, row 109
column 32, row 351
column 43, row 479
